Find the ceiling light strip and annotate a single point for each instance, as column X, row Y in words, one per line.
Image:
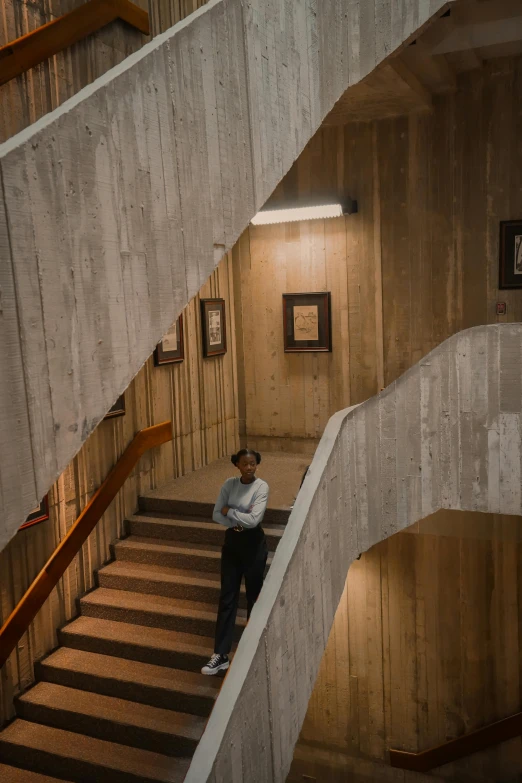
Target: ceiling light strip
column 266, row 217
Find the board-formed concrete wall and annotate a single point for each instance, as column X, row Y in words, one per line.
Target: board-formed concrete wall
column 447, row 434
column 116, row 207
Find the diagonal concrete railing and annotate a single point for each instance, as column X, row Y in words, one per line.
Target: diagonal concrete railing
column 448, row 434
column 116, row 207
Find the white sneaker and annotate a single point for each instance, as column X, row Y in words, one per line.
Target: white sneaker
column 218, row 663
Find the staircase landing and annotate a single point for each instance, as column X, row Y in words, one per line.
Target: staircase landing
column 282, row 472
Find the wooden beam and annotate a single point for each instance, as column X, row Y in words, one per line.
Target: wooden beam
column 434, row 72
column 35, row 47
column 478, row 11
column 409, row 78
column 495, row 733
column 22, row 616
column 480, row 36
column 445, row 29
column 447, row 74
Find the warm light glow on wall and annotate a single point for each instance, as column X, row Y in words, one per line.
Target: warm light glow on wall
column 322, row 212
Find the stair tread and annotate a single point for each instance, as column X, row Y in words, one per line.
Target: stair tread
column 124, row 599
column 162, row 573
column 99, row 707
column 147, row 674
column 17, row 775
column 178, row 547
column 161, row 544
column 156, row 504
column 195, row 523
column 158, row 638
column 102, row 754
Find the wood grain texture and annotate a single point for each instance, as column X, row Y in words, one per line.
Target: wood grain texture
column 312, row 764
column 199, row 396
column 47, row 86
column 405, row 273
column 40, row 90
column 230, row 120
column 316, row 542
column 477, row 741
column 18, row 56
column 383, row 93
column 423, row 618
column 24, row 613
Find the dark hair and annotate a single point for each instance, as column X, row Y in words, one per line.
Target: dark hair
column 245, row 453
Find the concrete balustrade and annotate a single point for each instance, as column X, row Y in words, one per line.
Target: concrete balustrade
column 116, row 207
column 446, row 435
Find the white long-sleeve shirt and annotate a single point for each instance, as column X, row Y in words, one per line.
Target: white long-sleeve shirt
column 246, row 502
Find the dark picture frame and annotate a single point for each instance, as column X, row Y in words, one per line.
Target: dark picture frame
column 118, row 409
column 510, row 261
column 307, row 322
column 165, row 353
column 39, row 514
column 213, row 327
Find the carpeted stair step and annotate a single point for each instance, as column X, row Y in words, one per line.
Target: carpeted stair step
column 191, row 508
column 146, row 683
column 191, row 530
column 112, row 719
column 85, row 759
column 173, row 614
column 179, row 554
column 159, row 580
column 158, row 552
column 138, row 643
column 18, row 775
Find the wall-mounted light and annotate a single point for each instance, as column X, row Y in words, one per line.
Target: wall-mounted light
column 292, row 214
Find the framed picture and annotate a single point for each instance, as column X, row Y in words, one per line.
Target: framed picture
column 213, row 327
column 170, row 350
column 118, row 409
column 307, row 322
column 37, row 515
column 511, row 254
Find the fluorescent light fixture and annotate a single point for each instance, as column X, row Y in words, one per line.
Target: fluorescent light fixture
column 291, row 215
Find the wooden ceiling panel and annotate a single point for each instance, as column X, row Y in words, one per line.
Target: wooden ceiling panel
column 461, row 40
column 384, row 93
column 434, row 72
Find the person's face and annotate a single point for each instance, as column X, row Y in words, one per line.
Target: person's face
column 247, row 467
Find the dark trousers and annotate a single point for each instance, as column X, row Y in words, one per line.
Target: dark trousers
column 243, row 554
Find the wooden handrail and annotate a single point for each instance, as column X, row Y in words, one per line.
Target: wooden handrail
column 35, row 47
column 21, row 617
column 502, row 730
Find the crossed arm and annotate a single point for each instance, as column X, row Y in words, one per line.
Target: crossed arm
column 230, row 517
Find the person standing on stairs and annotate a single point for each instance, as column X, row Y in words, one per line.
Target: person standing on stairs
column 240, row 508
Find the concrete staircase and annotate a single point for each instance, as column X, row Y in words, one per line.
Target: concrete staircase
column 122, row 699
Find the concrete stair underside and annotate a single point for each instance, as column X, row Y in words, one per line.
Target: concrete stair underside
column 122, row 699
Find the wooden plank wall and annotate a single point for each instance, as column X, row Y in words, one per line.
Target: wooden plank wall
column 446, row 435
column 165, row 13
column 432, row 189
column 37, row 92
column 199, row 396
column 425, row 646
